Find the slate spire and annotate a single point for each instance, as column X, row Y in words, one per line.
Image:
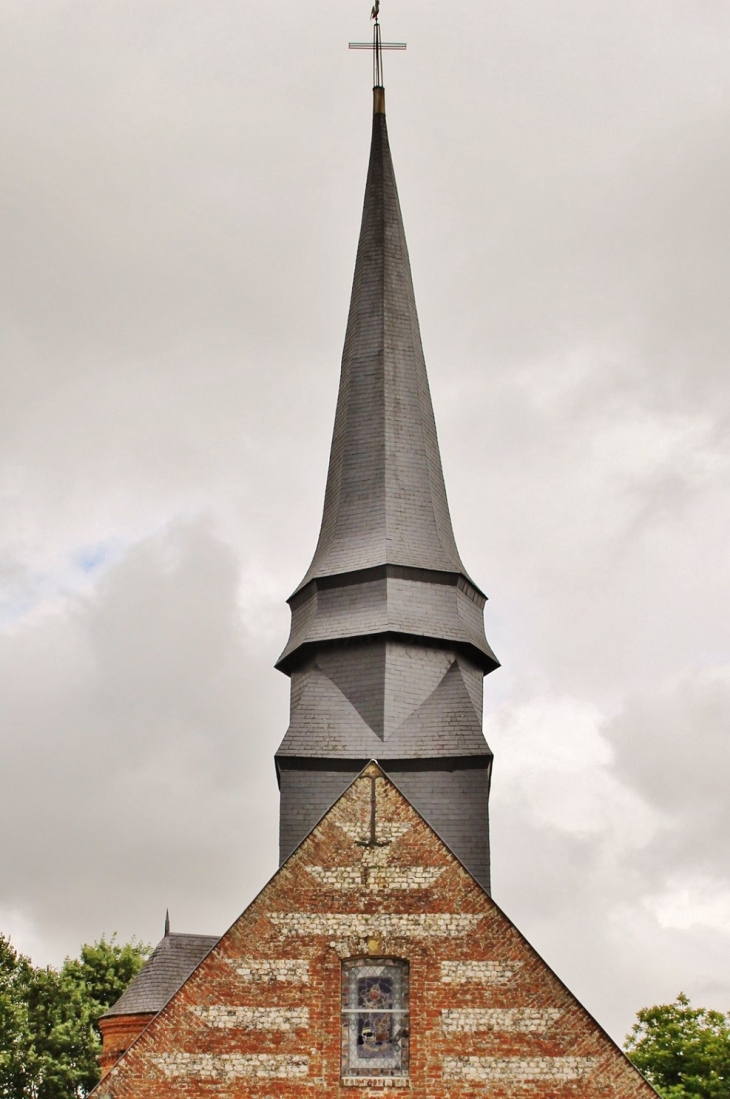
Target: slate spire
column 387, row 648
column 385, row 502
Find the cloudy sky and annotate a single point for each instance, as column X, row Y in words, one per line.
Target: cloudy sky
column 182, row 184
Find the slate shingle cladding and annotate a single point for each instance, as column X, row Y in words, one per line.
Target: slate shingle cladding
column 169, row 966
column 387, row 650
column 385, row 500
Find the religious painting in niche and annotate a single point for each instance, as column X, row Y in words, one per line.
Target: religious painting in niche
column 375, row 1021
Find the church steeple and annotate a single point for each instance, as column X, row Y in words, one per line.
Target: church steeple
column 385, row 502
column 386, row 514
column 387, row 648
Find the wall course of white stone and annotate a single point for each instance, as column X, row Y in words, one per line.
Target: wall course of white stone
column 211, row 1066
column 407, row 925
column 254, row 1018
column 390, row 830
column 479, row 972
column 272, row 970
column 496, row 1070
column 373, row 878
column 524, row 1019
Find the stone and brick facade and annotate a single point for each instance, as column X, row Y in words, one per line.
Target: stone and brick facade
column 261, row 1016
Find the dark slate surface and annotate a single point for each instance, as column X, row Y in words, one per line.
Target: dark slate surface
column 386, row 701
column 171, row 963
column 385, row 500
column 410, row 606
column 387, row 651
column 305, row 798
column 386, row 561
column 456, row 805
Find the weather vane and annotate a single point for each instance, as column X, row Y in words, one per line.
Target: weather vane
column 377, row 46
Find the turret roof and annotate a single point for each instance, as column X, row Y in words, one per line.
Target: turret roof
column 170, row 964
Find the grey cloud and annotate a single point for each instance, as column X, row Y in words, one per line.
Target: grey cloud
column 615, row 860
column 137, row 743
column 673, row 746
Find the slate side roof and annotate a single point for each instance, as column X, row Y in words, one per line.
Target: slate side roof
column 169, row 966
column 385, row 501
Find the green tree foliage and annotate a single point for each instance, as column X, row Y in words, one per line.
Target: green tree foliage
column 49, row 1042
column 683, row 1051
column 15, row 1044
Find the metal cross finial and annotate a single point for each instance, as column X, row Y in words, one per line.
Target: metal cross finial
column 377, row 46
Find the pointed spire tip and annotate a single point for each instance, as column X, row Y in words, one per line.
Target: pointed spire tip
column 378, row 100
column 167, row 923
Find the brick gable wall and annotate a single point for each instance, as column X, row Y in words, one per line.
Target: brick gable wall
column 260, row 1016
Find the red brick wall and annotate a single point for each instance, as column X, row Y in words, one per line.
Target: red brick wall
column 261, row 1015
column 117, row 1034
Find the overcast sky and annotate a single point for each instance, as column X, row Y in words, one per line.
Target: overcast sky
column 182, row 184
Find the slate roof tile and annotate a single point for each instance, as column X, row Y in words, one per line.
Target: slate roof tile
column 169, row 966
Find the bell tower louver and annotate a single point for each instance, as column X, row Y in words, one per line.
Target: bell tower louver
column 387, row 650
